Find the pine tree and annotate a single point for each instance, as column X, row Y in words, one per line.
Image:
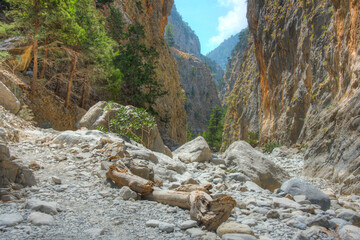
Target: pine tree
column 169, row 35
column 213, row 134
column 136, row 62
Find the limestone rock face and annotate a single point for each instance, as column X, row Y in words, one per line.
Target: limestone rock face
column 186, row 39
column 200, row 90
column 240, row 93
column 241, row 157
column 8, row 99
column 307, row 57
column 154, row 18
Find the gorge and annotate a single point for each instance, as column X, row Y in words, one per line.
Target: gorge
column 289, row 162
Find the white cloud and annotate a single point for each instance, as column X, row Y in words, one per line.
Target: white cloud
column 232, row 23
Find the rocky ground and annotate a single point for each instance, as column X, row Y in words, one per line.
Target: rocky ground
column 73, row 200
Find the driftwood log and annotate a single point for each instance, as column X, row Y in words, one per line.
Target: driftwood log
column 206, row 210
column 124, row 178
column 195, row 187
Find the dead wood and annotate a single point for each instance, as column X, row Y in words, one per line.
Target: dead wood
column 203, row 208
column 206, row 210
column 195, row 187
column 172, row 198
column 124, row 178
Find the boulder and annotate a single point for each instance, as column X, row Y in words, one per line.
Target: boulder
column 285, row 203
column 140, row 168
column 100, row 115
column 8, row 99
column 42, row 206
column 350, row 216
column 81, row 136
column 313, row 232
column 296, row 186
column 126, row 193
column 13, row 171
column 349, row 232
column 11, row 219
column 4, row 152
column 234, row 227
column 196, row 150
column 39, row 219
column 243, row 158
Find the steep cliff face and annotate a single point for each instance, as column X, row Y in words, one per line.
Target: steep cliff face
column 233, row 68
column 243, row 101
column 199, row 88
column 308, row 58
column 153, row 15
column 186, row 39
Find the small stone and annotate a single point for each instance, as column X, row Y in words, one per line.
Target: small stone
column 166, row 227
column 273, row 214
column 319, row 220
column 300, row 198
column 209, row 236
column 126, row 193
column 38, row 219
column 188, row 224
column 234, row 227
column 241, row 204
column 152, row 223
column 95, row 231
column 45, row 207
column 33, row 165
column 11, row 219
column 235, row 236
column 56, row 179
column 250, row 222
column 195, row 232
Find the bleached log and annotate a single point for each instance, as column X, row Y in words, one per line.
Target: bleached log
column 208, row 211
column 172, row 198
column 124, row 178
column 203, row 208
column 195, row 187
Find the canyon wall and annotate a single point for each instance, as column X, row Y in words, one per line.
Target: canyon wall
column 153, row 15
column 200, row 90
column 308, row 63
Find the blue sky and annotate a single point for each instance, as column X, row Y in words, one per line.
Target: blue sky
column 213, row 20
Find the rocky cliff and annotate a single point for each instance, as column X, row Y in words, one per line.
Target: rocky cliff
column 307, row 55
column 200, row 90
column 243, row 100
column 233, row 66
column 153, row 15
column 196, row 78
column 185, row 38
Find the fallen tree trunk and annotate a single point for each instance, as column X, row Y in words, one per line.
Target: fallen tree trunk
column 172, row 198
column 124, row 178
column 195, row 187
column 205, row 209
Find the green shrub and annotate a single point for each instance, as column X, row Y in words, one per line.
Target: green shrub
column 253, row 139
column 134, row 123
column 269, row 147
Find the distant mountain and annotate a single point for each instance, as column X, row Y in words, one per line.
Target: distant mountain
column 223, row 51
